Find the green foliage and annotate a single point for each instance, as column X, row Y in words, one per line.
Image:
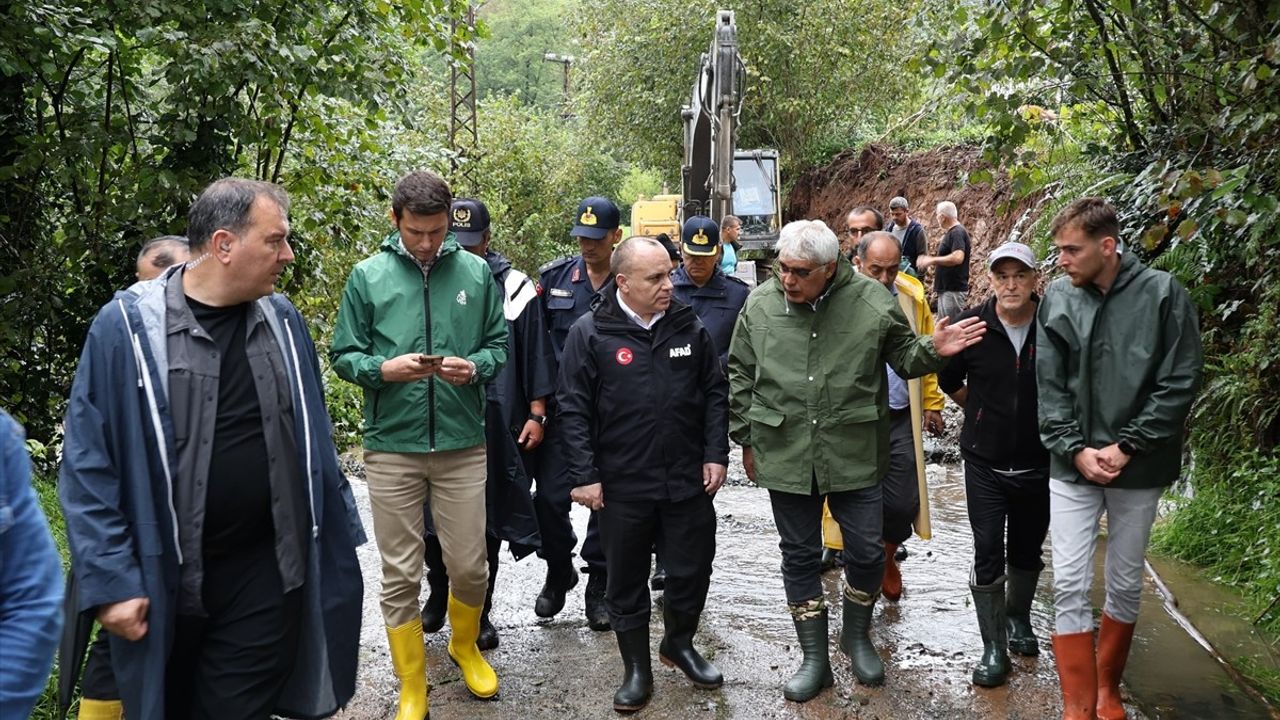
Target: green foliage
column 510, row 61
column 534, row 169
column 809, row 77
column 115, row 116
column 1171, row 111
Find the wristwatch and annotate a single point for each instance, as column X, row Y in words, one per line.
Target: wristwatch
column 540, row 419
column 1127, row 448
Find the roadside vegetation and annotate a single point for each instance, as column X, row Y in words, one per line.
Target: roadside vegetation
column 113, row 117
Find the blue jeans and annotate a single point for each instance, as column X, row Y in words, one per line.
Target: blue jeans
column 799, row 519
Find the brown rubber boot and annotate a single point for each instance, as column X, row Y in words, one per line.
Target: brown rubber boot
column 891, row 587
column 1114, row 638
column 1078, row 675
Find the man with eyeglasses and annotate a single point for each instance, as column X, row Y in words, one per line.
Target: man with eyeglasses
column 1006, row 467
column 857, row 223
column 807, row 405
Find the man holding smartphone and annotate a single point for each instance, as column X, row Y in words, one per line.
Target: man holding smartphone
column 421, row 330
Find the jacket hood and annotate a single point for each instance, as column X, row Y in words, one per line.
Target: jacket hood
column 392, row 244
column 1130, row 268
column 498, row 264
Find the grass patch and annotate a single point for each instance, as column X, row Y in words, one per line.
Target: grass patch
column 46, row 488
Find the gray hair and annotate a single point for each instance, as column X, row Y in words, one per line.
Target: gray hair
column 163, row 247
column 898, row 202
column 622, row 261
column 869, row 239
column 729, row 221
column 225, row 205
column 946, row 208
column 808, row 240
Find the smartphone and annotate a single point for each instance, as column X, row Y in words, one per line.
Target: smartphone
column 431, row 360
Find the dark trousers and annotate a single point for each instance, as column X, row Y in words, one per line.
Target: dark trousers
column 799, row 520
column 551, row 504
column 685, row 535
column 99, row 681
column 1021, row 501
column 901, row 485
column 234, row 662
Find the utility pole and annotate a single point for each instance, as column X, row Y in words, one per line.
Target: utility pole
column 566, row 62
column 464, row 139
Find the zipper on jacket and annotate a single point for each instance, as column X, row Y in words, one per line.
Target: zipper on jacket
column 306, row 425
column 431, row 381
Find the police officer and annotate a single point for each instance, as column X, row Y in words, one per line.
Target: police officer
column 568, row 287
column 716, row 298
column 644, row 414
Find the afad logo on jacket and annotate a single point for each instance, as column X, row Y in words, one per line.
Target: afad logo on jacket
column 679, row 352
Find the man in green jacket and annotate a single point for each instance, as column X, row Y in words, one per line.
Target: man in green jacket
column 421, row 329
column 1118, row 368
column 809, row 405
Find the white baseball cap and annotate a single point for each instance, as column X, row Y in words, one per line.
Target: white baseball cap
column 1014, row 250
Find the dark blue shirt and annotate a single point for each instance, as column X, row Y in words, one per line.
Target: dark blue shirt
column 716, row 304
column 566, row 296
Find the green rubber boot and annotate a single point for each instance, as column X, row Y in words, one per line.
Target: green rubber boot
column 815, row 669
column 1021, row 591
column 855, row 637
column 988, row 601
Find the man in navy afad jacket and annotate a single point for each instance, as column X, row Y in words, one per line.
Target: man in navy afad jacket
column 211, row 530
column 643, row 409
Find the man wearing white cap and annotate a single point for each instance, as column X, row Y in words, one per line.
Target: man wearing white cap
column 1006, row 468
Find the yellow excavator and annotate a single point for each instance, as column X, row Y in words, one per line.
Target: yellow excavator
column 717, row 178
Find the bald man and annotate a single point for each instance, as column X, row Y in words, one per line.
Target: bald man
column 160, row 254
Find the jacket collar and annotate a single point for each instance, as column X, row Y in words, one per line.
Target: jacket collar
column 392, row 244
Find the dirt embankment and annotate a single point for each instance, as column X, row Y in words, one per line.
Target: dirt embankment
column 877, row 173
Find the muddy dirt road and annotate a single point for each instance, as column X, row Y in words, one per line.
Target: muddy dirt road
column 560, row 669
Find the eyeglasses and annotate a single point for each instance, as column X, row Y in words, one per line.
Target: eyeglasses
column 858, row 231
column 801, row 273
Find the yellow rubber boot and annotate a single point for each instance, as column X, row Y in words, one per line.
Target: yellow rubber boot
column 409, row 657
column 480, row 678
column 100, row 709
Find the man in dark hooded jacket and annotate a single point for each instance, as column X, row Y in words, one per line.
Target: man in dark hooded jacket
column 211, row 530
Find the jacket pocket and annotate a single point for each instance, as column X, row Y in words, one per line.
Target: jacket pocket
column 765, row 416
column 148, row 534
column 856, row 414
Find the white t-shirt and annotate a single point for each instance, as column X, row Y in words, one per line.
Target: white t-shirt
column 1018, row 334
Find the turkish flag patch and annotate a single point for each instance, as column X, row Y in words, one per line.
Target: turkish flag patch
column 624, row 356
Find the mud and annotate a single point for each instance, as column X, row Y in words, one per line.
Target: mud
column 874, row 175
column 561, row 669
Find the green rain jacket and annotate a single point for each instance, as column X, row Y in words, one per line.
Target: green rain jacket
column 808, row 392
column 388, row 310
column 1121, row 366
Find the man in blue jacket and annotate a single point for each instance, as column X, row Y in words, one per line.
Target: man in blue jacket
column 30, row 581
column 211, row 530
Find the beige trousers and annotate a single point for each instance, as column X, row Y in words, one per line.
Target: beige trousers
column 454, row 482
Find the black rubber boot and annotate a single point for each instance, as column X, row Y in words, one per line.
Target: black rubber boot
column 830, row 559
column 676, row 650
column 597, row 615
column 815, row 668
column 637, row 680
column 988, row 601
column 659, row 579
column 855, row 637
column 1021, row 591
column 561, row 578
column 434, row 611
column 488, row 637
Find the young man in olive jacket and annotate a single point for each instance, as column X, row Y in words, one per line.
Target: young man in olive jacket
column 1006, row 468
column 1119, row 364
column 643, row 410
column 421, row 330
column 809, row 405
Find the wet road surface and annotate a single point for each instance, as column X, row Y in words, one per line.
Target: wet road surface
column 561, row 669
